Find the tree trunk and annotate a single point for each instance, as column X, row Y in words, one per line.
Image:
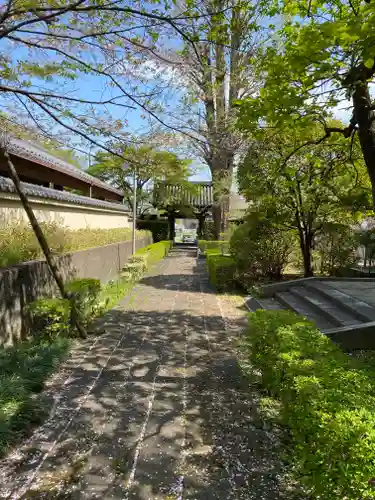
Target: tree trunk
column 305, row 241
column 42, row 240
column 365, row 118
column 171, row 222
column 201, row 222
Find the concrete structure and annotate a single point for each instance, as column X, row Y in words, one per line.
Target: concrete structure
column 22, row 284
column 342, row 308
column 64, row 208
column 48, row 182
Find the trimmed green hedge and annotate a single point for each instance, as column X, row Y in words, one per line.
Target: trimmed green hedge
column 327, row 403
column 156, row 251
column 19, row 244
column 220, row 246
column 221, row 271
column 159, row 228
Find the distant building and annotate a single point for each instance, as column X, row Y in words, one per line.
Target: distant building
column 58, row 191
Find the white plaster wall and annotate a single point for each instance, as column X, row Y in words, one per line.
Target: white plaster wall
column 65, row 214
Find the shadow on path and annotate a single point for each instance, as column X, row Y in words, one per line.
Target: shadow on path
column 157, row 409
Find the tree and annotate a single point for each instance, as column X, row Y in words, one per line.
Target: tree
column 319, row 185
column 322, row 55
column 149, row 164
column 214, row 67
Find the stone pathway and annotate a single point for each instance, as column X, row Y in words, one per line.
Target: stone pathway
column 153, row 409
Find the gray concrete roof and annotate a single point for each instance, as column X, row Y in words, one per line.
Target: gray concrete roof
column 30, row 151
column 6, row 186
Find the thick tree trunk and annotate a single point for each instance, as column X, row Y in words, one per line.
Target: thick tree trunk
column 365, row 118
column 41, row 239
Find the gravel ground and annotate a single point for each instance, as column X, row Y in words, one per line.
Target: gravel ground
column 155, row 408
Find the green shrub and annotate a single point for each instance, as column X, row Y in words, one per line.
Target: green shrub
column 132, row 271
column 159, row 228
column 85, row 294
column 222, row 271
column 327, row 403
column 156, row 251
column 208, row 232
column 49, row 317
column 260, row 248
column 336, row 248
column 205, row 246
column 18, row 242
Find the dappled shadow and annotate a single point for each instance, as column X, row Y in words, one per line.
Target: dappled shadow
column 156, row 409
column 19, row 286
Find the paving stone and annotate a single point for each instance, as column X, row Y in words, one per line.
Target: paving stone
column 155, row 408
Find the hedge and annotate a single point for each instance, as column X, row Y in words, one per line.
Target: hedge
column 221, row 271
column 19, row 244
column 159, row 228
column 156, row 251
column 220, row 246
column 327, row 403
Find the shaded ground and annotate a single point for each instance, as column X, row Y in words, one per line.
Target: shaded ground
column 153, row 409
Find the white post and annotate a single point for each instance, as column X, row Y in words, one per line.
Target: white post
column 134, row 208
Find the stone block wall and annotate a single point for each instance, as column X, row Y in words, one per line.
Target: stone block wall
column 23, row 283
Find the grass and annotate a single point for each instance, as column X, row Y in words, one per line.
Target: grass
column 24, row 368
column 18, row 243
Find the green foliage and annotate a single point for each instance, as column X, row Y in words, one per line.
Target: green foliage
column 366, row 238
column 336, row 248
column 24, row 368
column 18, row 243
column 49, row 317
column 156, row 251
column 221, row 247
column 327, row 403
column 260, row 247
column 150, row 164
column 304, row 189
column 208, row 232
column 84, row 293
column 159, row 228
column 222, row 272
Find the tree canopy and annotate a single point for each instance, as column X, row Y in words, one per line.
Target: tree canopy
column 148, row 163
column 319, row 185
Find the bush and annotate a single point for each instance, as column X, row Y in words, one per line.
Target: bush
column 18, row 242
column 327, row 403
column 156, row 251
column 221, row 272
column 49, row 317
column 208, row 232
column 336, row 248
column 159, row 228
column 261, row 249
column 85, row 295
column 221, row 247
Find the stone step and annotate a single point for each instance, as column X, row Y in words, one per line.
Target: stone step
column 299, row 305
column 332, row 311
column 361, row 310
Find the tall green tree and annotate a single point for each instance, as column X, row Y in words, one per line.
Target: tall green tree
column 149, row 165
column 322, row 56
column 319, row 185
column 216, row 69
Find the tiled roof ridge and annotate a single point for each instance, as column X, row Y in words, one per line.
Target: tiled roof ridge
column 6, row 186
column 29, row 150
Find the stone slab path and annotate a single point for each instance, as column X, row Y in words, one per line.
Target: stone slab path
column 155, row 408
